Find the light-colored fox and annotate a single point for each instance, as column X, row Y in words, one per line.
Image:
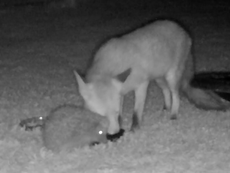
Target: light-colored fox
column 159, row 51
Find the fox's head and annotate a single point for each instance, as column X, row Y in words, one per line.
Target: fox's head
column 103, row 96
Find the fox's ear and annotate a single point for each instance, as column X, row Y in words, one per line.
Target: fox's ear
column 82, row 86
column 124, row 75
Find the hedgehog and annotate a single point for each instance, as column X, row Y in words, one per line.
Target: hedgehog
column 69, row 126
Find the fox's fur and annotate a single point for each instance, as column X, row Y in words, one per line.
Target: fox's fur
column 159, row 51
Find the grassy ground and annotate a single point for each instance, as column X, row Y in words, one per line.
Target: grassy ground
column 39, row 49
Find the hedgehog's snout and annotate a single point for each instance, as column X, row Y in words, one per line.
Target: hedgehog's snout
column 94, row 143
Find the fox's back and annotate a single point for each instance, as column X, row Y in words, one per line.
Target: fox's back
column 151, row 50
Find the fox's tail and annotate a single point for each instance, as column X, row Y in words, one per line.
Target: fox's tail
column 203, row 99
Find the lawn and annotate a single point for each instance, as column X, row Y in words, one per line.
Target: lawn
column 40, row 47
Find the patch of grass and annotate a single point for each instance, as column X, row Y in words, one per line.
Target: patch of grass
column 38, row 55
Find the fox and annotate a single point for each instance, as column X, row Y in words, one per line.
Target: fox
column 160, row 51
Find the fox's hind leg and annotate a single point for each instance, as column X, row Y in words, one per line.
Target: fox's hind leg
column 162, row 83
column 173, row 83
column 140, row 95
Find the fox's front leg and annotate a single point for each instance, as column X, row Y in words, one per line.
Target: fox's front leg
column 121, row 111
column 140, row 96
